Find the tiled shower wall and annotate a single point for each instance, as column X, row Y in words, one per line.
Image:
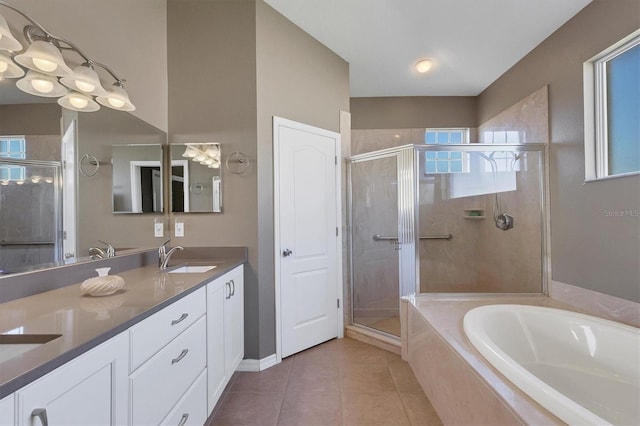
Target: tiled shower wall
column 479, row 257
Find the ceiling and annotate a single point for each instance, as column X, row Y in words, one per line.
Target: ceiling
column 471, row 42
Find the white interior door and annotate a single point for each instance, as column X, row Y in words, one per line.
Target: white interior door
column 307, row 244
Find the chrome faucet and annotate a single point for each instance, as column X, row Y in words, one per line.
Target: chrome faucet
column 164, row 255
column 101, row 253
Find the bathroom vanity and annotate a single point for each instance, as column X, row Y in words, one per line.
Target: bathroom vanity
column 160, row 351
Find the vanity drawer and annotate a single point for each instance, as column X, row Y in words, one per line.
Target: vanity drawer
column 192, row 407
column 150, row 335
column 157, row 385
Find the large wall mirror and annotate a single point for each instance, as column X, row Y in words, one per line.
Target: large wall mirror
column 50, row 215
column 196, row 180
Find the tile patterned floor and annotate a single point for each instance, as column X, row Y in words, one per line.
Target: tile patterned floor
column 341, row 382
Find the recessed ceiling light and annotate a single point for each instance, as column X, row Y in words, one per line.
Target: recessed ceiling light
column 423, row 65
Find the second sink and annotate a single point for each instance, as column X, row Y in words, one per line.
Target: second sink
column 191, row 269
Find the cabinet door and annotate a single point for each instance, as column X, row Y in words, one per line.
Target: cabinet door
column 6, row 411
column 234, row 322
column 217, row 378
column 89, row 390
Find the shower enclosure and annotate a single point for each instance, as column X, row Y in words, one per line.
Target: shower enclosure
column 30, row 214
column 465, row 218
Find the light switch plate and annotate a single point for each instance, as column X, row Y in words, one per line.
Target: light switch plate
column 158, row 229
column 179, row 229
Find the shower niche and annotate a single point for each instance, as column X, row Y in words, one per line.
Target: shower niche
column 454, row 219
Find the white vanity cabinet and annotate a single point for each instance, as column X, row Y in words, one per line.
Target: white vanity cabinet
column 88, row 390
column 168, row 355
column 225, row 331
column 6, row 411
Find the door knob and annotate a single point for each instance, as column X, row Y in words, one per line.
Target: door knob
column 286, row 253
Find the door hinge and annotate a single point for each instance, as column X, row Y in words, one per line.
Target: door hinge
column 336, row 157
column 337, row 232
column 338, row 301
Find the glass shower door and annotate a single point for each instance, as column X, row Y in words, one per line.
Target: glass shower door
column 374, row 244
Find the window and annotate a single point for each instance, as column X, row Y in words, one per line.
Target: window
column 612, row 108
column 12, row 147
column 446, row 161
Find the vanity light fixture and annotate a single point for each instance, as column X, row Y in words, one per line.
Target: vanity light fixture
column 205, row 154
column 423, row 65
column 47, row 69
column 39, row 84
column 8, row 69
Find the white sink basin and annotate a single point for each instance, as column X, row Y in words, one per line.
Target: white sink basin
column 191, row 269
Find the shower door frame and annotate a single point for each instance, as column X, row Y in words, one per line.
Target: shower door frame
column 406, row 203
column 408, row 198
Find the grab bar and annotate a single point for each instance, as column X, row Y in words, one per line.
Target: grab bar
column 26, row 243
column 378, row 237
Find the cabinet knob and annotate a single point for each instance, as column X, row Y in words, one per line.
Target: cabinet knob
column 41, row 413
column 286, row 253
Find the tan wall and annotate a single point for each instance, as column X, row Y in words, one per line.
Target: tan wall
column 410, row 112
column 212, row 98
column 128, row 36
column 589, row 248
column 299, row 79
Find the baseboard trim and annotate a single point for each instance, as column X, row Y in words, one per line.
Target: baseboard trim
column 258, row 364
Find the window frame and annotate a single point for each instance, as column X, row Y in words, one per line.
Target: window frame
column 465, row 140
column 596, row 135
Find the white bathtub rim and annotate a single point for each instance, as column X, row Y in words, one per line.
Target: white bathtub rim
column 560, row 405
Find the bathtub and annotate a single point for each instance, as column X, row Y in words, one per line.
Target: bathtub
column 583, row 369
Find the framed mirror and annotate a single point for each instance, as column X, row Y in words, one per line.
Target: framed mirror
column 196, row 178
column 137, row 178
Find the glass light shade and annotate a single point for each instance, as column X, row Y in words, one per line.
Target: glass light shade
column 116, row 98
column 189, row 152
column 424, row 65
column 77, row 101
column 199, row 158
column 7, row 40
column 85, row 80
column 39, row 84
column 8, row 69
column 45, row 58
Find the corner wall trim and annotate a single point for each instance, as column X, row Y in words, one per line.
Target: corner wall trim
column 257, row 364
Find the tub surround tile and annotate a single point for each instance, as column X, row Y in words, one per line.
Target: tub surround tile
column 595, row 303
column 463, row 387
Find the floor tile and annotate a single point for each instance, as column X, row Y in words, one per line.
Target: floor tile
column 373, row 409
column 313, row 378
column 272, row 379
column 403, row 377
column 249, row 408
column 367, row 378
column 419, row 409
column 311, row 409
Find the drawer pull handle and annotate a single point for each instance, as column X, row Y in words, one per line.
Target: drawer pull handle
column 228, row 284
column 182, row 318
column 179, row 358
column 41, row 413
column 233, row 284
column 183, row 419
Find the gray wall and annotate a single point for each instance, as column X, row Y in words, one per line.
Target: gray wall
column 257, row 64
column 410, row 112
column 589, row 248
column 299, row 79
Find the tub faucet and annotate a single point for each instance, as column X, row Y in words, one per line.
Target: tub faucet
column 164, row 255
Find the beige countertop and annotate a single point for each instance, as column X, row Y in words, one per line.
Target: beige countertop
column 84, row 321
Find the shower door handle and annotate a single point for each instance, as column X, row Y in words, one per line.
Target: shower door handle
column 286, row 253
